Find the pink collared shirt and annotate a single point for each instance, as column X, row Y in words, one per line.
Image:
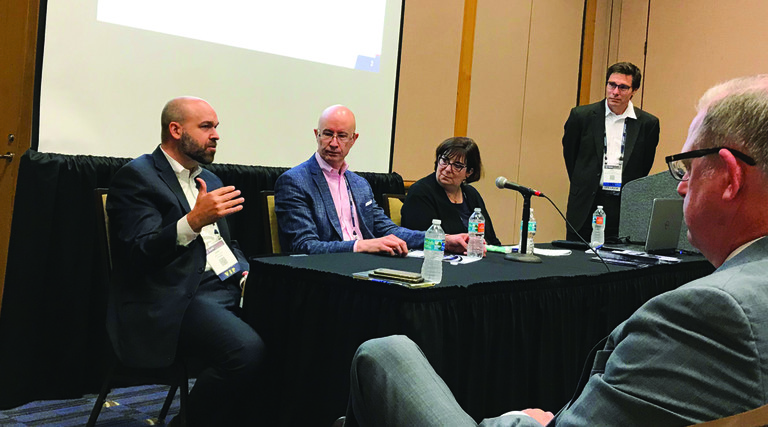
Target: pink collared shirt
column 345, row 207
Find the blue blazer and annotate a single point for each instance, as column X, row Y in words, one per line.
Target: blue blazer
column 153, row 279
column 306, row 214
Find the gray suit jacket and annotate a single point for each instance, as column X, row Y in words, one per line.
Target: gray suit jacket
column 307, row 219
column 690, row 355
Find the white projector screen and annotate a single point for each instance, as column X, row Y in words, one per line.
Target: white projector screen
column 268, row 69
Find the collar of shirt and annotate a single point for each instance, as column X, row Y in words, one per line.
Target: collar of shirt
column 328, row 168
column 345, row 209
column 629, row 112
column 741, row 248
column 180, row 171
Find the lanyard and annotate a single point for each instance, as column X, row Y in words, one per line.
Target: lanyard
column 351, row 208
column 623, row 143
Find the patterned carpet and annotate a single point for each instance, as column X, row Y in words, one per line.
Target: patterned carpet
column 125, row 407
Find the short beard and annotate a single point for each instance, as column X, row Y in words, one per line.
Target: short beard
column 191, row 149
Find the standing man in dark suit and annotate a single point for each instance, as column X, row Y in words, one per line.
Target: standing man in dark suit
column 177, row 274
column 606, row 145
column 323, row 207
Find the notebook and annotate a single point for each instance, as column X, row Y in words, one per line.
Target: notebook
column 663, row 228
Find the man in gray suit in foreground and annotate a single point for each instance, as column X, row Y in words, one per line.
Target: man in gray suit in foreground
column 693, row 354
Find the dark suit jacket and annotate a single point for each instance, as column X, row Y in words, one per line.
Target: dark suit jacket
column 153, row 278
column 583, row 154
column 307, row 218
column 426, row 200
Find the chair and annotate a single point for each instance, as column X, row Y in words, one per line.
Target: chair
column 636, row 203
column 392, row 205
column 270, row 222
column 753, row 418
column 175, row 375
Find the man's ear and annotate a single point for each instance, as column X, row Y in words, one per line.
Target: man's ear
column 175, row 130
column 735, row 178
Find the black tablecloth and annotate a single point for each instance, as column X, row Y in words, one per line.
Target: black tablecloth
column 502, row 335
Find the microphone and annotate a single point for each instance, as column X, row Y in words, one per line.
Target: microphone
column 502, row 182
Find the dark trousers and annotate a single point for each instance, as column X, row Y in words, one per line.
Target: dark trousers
column 230, row 352
column 612, row 206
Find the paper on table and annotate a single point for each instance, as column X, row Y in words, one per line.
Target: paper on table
column 537, row 251
column 452, row 259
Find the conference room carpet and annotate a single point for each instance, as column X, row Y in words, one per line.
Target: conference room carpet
column 135, row 406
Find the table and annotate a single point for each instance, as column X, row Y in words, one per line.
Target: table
column 503, row 335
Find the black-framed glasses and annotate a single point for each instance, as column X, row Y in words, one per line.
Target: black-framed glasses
column 621, row 87
column 457, row 166
column 680, row 164
column 327, row 136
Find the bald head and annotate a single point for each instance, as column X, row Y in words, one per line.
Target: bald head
column 189, row 132
column 337, row 113
column 176, row 110
column 335, row 134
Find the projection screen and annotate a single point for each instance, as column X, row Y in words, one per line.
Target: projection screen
column 268, row 68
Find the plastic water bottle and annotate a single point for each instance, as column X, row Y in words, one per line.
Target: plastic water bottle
column 476, row 245
column 598, row 228
column 529, row 236
column 434, row 246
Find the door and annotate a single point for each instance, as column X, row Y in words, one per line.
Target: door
column 18, row 31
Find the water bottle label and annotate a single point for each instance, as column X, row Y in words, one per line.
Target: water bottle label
column 434, row 245
column 531, row 226
column 477, row 227
column 598, row 220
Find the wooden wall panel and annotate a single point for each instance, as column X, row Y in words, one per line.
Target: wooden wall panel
column 429, row 67
column 550, row 93
column 693, row 46
column 496, row 104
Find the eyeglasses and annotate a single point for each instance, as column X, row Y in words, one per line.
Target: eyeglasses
column 457, row 166
column 680, row 164
column 622, row 87
column 343, row 137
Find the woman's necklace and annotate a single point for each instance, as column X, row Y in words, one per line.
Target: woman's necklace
column 455, row 198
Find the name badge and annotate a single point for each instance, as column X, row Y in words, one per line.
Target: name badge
column 222, row 259
column 612, row 177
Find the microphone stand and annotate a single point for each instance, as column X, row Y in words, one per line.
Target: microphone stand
column 521, row 256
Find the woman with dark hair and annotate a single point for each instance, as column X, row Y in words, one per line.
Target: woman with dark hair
column 446, row 193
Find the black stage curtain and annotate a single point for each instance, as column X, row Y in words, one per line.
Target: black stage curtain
column 52, row 335
column 499, row 344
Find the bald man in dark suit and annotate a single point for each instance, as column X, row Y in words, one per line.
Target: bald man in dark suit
column 169, row 297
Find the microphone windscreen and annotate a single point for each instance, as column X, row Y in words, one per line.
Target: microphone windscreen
column 500, row 182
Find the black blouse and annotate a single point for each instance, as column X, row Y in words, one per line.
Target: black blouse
column 426, row 200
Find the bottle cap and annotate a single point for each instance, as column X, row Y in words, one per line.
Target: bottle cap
column 599, row 207
column 478, row 210
column 436, row 222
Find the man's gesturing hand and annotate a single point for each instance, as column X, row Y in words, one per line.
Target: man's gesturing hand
column 211, row 207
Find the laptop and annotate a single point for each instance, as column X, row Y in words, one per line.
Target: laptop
column 663, row 228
